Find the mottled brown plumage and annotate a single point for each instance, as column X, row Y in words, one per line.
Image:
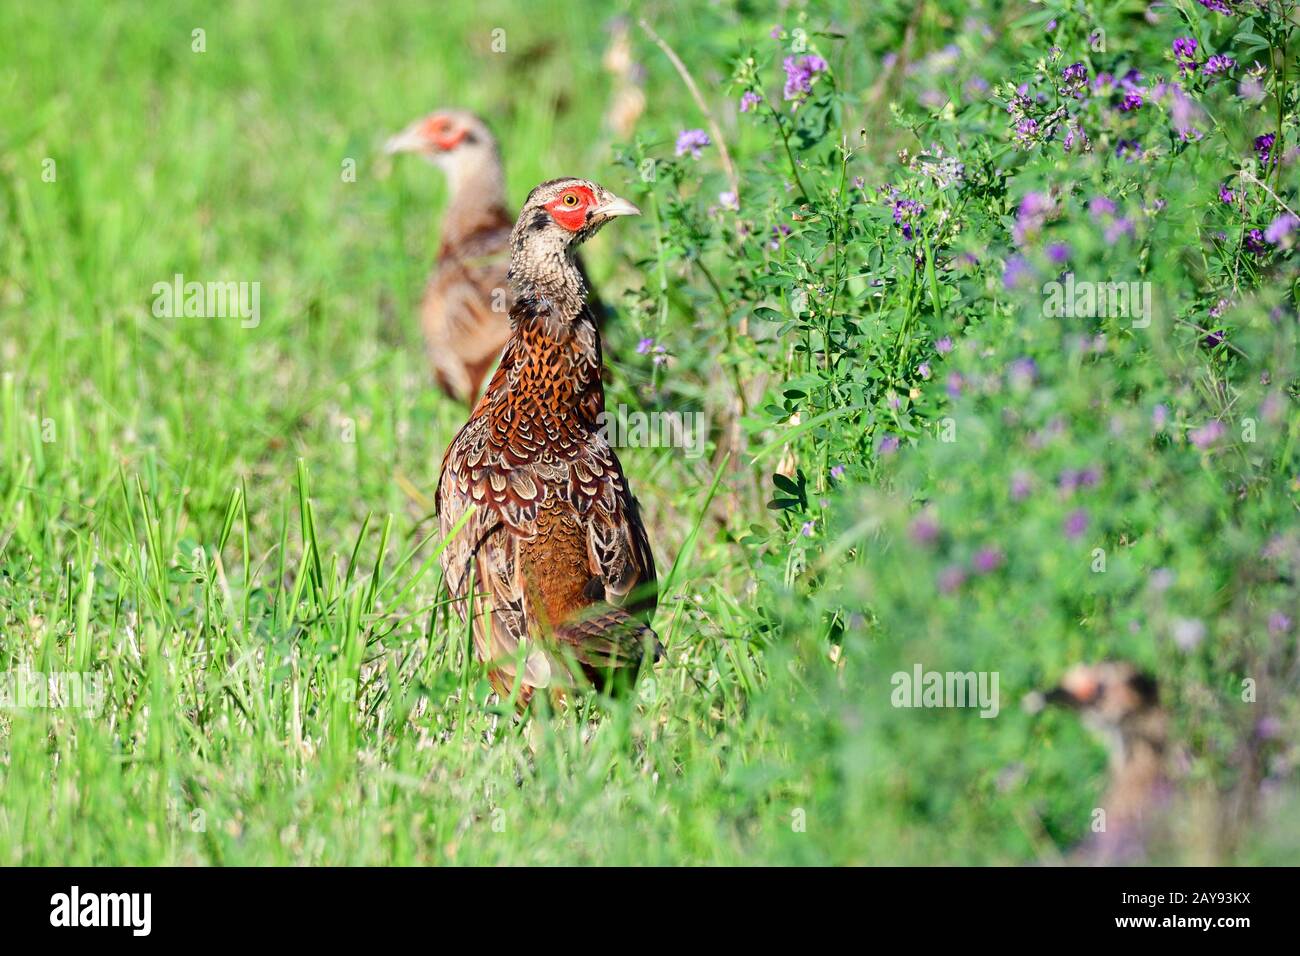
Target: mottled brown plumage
column 464, row 313
column 555, row 543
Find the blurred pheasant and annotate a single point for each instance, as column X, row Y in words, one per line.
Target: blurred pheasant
column 1121, row 705
column 554, row 552
column 466, row 304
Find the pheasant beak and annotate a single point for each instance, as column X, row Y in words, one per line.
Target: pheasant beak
column 1037, row 700
column 410, row 140
column 1059, row 695
column 614, row 206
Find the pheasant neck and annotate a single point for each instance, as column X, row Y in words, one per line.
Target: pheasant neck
column 477, row 191
column 549, row 278
column 552, row 362
column 1138, row 761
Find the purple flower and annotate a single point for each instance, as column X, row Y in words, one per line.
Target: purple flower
column 1118, row 229
column 924, row 529
column 1185, row 54
column 953, row 385
column 1026, row 131
column 1132, row 101
column 1076, row 523
column 1219, row 64
column 799, row 74
column 1226, row 195
column 1075, row 135
column 905, row 212
column 1281, row 228
column 1254, row 242
column 1264, row 149
column 923, row 370
column 1218, row 6
column 1058, row 253
column 1076, row 79
column 1128, row 150
column 1032, row 214
column 1101, row 207
column 987, row 560
column 1159, row 417
column 1022, row 483
column 1017, row 273
column 1208, row 434
column 1269, row 727
column 749, row 101
column 837, row 472
column 729, row 200
column 943, row 346
column 692, row 141
column 649, row 347
column 1071, row 479
column 1278, row 623
column 887, row 445
column 776, row 32
column 1184, row 113
column 951, row 578
column 1022, row 372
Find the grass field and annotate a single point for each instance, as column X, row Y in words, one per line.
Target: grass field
column 225, row 524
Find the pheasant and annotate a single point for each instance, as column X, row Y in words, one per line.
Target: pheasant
column 465, row 309
column 552, row 557
column 1121, row 705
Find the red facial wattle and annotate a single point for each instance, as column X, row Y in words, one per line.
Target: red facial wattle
column 572, row 215
column 443, row 134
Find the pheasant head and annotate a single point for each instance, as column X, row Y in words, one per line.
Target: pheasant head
column 457, row 142
column 1117, row 702
column 557, row 217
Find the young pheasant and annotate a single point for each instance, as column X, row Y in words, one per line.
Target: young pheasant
column 554, row 551
column 466, row 304
column 1121, row 705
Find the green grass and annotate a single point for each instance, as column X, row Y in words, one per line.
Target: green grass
column 232, row 525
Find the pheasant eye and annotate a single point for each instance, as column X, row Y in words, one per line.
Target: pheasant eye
column 570, row 200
